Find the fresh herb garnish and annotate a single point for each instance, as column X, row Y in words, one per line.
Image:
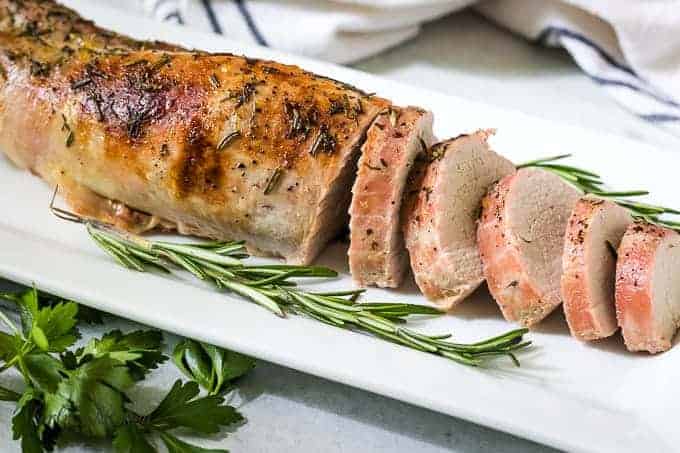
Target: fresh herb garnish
column 212, row 368
column 81, row 83
column 324, row 142
column 83, row 392
column 273, row 181
column 591, row 183
column 273, row 287
column 65, row 127
column 214, row 81
column 227, row 139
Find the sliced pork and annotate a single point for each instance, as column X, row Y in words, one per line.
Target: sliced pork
column 648, row 287
column 521, row 239
column 594, row 232
column 441, row 214
column 377, row 255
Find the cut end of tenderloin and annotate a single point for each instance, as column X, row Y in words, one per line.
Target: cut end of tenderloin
column 377, row 255
column 648, row 287
column 521, row 239
column 441, row 215
column 594, row 232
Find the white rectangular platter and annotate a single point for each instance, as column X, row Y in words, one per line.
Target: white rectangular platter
column 567, row 394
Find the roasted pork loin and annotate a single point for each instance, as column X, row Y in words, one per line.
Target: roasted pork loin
column 441, row 213
column 521, row 239
column 648, row 287
column 377, row 255
column 143, row 135
column 594, row 232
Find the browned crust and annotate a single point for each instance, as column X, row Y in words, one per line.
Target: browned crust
column 161, row 119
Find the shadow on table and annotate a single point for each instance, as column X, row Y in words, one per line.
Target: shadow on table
column 473, row 45
column 381, row 412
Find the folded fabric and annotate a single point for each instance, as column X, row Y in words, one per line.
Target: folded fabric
column 631, row 49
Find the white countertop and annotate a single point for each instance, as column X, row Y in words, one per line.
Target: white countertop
column 291, row 411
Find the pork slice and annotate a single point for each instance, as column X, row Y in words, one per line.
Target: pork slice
column 648, row 287
column 441, row 214
column 594, row 232
column 521, row 239
column 377, row 255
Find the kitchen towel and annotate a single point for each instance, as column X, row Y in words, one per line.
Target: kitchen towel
column 630, row 48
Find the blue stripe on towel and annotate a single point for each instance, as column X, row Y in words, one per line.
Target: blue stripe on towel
column 210, row 12
column 638, row 89
column 241, row 5
column 563, row 32
column 659, row 117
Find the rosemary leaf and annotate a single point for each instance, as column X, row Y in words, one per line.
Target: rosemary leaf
column 273, row 181
column 273, row 287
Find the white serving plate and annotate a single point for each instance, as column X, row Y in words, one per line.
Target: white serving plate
column 568, row 395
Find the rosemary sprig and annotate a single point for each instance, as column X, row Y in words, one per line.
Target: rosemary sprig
column 273, row 287
column 591, row 183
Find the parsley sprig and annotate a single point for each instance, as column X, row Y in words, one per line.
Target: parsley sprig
column 82, row 392
column 213, row 368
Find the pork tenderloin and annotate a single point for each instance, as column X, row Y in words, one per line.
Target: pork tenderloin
column 521, row 239
column 377, row 255
column 441, row 212
column 216, row 145
column 594, row 232
column 648, row 287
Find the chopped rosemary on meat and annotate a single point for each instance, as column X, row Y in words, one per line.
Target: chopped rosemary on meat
column 164, row 60
column 274, row 288
column 81, row 83
column 273, row 181
column 591, row 183
column 136, row 118
column 40, row 69
column 243, row 95
column 214, row 81
column 227, row 139
column 436, row 152
column 324, row 142
column 70, row 136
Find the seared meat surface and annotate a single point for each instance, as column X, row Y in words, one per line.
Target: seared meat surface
column 146, row 135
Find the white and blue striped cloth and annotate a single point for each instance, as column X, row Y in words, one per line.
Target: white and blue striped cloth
column 629, row 47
